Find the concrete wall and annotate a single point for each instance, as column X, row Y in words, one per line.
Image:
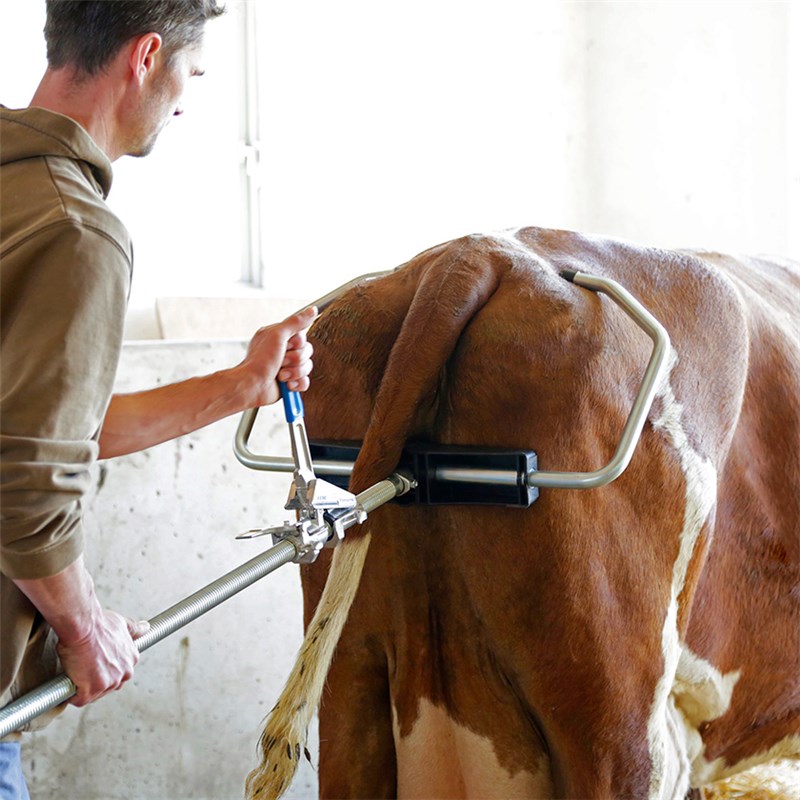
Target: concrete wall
column 161, row 524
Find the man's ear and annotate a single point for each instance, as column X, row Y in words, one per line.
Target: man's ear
column 143, row 55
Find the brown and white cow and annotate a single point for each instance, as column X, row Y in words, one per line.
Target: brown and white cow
column 631, row 641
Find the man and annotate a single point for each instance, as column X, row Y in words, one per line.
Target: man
column 116, row 73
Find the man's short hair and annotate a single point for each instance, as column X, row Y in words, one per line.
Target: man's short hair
column 87, row 34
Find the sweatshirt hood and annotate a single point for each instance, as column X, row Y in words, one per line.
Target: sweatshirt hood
column 36, row 132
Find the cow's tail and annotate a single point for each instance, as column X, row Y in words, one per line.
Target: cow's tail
column 283, row 740
column 449, row 293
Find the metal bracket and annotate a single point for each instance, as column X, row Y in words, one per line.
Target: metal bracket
column 307, row 535
column 656, row 369
column 497, row 476
column 326, row 529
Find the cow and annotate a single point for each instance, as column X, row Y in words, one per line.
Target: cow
column 634, row 640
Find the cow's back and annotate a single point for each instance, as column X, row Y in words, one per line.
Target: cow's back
column 522, row 652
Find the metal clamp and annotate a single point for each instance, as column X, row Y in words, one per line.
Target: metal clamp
column 307, row 537
column 656, row 368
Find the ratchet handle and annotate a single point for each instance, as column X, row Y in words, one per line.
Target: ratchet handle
column 292, row 403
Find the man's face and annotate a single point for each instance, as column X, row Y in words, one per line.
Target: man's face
column 161, row 98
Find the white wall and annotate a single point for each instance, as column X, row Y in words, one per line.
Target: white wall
column 793, row 127
column 390, row 128
column 687, row 113
column 394, row 127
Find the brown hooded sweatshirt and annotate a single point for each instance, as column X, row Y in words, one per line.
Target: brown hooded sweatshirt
column 65, row 266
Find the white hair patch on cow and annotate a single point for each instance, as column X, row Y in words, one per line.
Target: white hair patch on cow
column 283, row 740
column 509, row 237
column 441, row 758
column 788, row 748
column 701, row 691
column 671, row 740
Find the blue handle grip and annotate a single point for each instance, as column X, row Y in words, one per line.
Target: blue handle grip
column 292, row 403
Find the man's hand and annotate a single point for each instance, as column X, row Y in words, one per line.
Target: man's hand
column 103, row 659
column 96, row 646
column 280, row 352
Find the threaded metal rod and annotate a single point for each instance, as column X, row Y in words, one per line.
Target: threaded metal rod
column 384, row 491
column 61, row 688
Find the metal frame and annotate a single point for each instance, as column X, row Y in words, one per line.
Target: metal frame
column 656, row 368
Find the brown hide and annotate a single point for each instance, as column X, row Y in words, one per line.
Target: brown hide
column 745, row 613
column 540, row 629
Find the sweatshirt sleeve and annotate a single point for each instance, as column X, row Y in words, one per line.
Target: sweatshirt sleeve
column 64, row 293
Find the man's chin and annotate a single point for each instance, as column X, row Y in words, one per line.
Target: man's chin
column 144, row 149
column 141, row 153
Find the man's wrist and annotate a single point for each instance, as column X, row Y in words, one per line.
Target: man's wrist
column 80, row 625
column 248, row 385
column 67, row 601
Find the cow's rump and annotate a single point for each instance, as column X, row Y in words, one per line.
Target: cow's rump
column 626, row 641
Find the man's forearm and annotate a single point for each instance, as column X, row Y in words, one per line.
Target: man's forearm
column 140, row 420
column 66, row 600
column 278, row 352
